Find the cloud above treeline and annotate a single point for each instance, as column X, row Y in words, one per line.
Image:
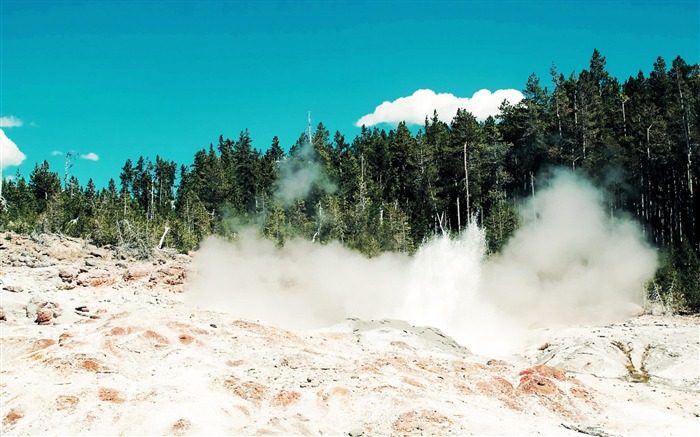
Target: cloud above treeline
column 9, row 152
column 10, row 121
column 92, row 156
column 414, row 108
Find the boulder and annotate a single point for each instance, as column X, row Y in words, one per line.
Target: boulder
column 44, row 317
column 14, row 288
column 43, row 312
column 67, row 275
column 98, row 253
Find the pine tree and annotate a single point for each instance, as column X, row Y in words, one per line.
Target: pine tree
column 245, row 164
column 44, row 185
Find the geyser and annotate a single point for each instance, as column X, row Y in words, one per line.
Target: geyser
column 569, row 263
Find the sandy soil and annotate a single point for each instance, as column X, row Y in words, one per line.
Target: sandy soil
column 93, row 344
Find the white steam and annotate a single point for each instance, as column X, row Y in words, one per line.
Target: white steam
column 570, row 264
column 573, row 259
column 299, row 174
column 303, row 285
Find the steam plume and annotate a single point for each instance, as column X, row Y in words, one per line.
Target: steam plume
column 568, row 262
column 302, row 285
column 299, row 174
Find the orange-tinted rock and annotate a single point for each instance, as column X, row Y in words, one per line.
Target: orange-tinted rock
column 412, row 421
column 546, row 371
column 117, row 331
column 12, row 416
column 411, row 381
column 136, row 272
column 109, row 395
column 581, row 394
column 285, row 398
column 251, row 391
column 501, row 389
column 400, row 345
column 538, row 385
column 101, row 281
column 64, row 402
column 90, row 366
column 181, row 426
column 44, row 316
column 42, row 343
column 157, row 337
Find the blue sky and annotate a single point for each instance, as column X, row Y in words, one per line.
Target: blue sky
column 121, row 79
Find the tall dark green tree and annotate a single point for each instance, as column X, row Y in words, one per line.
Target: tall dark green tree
column 44, row 184
column 246, row 164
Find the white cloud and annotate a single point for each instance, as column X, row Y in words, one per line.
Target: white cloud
column 10, row 121
column 92, row 156
column 414, row 108
column 9, row 152
column 56, row 153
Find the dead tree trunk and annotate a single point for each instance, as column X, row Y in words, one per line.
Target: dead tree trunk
column 466, row 184
column 162, row 237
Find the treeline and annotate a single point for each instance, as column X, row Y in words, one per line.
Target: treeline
column 389, row 191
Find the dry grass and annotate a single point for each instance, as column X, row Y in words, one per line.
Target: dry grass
column 634, row 374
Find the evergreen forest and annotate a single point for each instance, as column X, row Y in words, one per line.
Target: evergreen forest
column 638, row 140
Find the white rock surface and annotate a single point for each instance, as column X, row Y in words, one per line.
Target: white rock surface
column 141, row 361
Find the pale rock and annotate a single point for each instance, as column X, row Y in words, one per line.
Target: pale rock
column 98, row 253
column 67, row 274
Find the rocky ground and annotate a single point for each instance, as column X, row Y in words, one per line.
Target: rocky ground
column 97, row 343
